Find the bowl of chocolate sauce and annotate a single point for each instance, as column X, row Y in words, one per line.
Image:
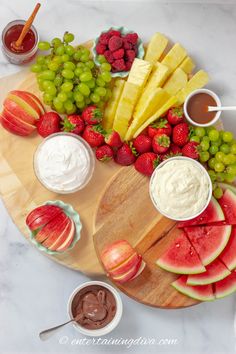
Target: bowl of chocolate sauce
column 97, row 307
column 196, row 108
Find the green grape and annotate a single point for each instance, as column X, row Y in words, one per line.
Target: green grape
column 226, row 160
column 61, row 110
column 69, row 107
column 229, row 178
column 44, row 46
column 227, row 137
column 91, row 83
column 67, row 86
column 206, row 138
column 225, row 148
column 65, row 58
column 57, row 103
column 95, row 97
column 76, row 88
column 100, row 82
column 78, row 97
column 48, row 75
column 84, row 58
column 232, row 158
column 219, row 156
column 78, row 72
column 208, row 129
column 213, row 135
column 216, row 143
column 40, row 59
column 70, row 96
column 68, row 74
column 233, row 149
column 41, row 87
column 44, row 67
column 204, row 156
column 80, row 65
column 69, row 50
column 218, row 192
column 80, row 105
column 58, row 80
column 40, row 80
column 101, row 91
column 90, row 64
column 36, row 68
column 47, row 83
column 87, row 100
column 85, row 50
column 101, row 59
column 107, row 67
column 108, row 94
column 56, row 42
column 231, row 169
column 51, row 90
column 213, row 149
column 53, row 66
column 60, row 50
column 69, row 65
column 212, row 175
column 86, row 69
column 106, row 76
column 212, row 162
column 84, row 89
column 62, row 96
column 219, row 167
column 195, row 138
column 220, row 176
column 47, row 98
column 77, row 55
column 100, row 105
column 48, row 60
column 204, row 145
column 86, row 76
column 68, row 37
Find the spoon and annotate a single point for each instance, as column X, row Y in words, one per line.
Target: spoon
column 221, row 108
column 47, row 333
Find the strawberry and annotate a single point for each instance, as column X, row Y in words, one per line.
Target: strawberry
column 125, row 155
column 104, row 153
column 93, row 134
column 180, row 134
column 142, row 143
column 162, row 126
column 48, row 123
column 92, row 115
column 160, row 143
column 115, row 43
column 175, row 115
column 146, row 163
column 191, row 150
column 73, row 124
column 175, row 149
column 113, row 139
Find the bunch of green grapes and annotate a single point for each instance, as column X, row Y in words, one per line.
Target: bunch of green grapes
column 69, row 78
column 218, row 151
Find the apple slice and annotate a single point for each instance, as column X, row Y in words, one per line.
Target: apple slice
column 42, row 215
column 37, row 101
column 56, row 226
column 116, row 253
column 22, row 96
column 19, row 111
column 65, row 242
column 130, row 274
column 17, row 121
column 28, row 108
column 125, row 266
column 141, row 268
column 54, row 236
column 12, row 128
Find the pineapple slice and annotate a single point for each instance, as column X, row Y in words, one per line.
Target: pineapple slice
column 174, row 57
column 198, row 80
column 147, row 105
column 156, row 47
column 128, row 100
column 139, row 72
column 176, row 82
column 163, row 109
column 158, row 76
column 187, row 65
column 110, row 110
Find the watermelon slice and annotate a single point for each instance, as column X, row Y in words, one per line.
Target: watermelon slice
column 226, row 286
column 211, row 214
column 214, row 272
column 228, row 256
column 208, row 241
column 225, row 186
column 228, row 204
column 181, row 257
column 198, row 292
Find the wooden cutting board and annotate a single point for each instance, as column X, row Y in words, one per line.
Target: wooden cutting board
column 125, row 211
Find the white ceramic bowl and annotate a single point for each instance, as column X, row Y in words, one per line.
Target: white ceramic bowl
column 218, row 103
column 110, row 326
column 200, row 167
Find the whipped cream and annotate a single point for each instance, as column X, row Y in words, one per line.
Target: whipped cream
column 63, row 163
column 180, row 189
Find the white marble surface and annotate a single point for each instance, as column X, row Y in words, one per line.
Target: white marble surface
column 33, row 289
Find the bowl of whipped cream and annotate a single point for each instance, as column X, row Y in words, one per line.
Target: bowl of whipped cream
column 64, row 163
column 180, row 188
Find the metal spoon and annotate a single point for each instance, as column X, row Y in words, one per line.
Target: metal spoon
column 47, row 333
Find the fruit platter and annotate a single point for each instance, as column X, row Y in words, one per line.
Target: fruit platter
column 112, row 163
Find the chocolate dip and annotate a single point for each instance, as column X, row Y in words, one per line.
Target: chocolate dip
column 96, row 305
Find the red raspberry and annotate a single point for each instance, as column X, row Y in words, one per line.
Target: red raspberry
column 127, row 44
column 104, row 38
column 130, row 55
column 100, row 48
column 115, row 43
column 114, row 33
column 119, row 65
column 132, row 38
column 128, row 65
column 118, row 54
column 109, row 56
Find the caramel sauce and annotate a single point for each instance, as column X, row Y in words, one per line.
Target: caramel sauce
column 198, row 108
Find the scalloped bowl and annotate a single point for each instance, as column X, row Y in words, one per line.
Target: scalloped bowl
column 123, row 31
column 69, row 211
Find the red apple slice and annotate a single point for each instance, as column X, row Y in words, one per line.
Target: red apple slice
column 22, row 96
column 13, row 128
column 28, row 108
column 55, row 226
column 141, row 268
column 56, row 236
column 19, row 111
column 125, row 266
column 66, row 241
column 116, row 253
column 42, row 215
column 17, row 121
column 37, row 101
column 130, row 274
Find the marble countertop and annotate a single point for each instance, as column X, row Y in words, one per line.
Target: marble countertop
column 33, row 289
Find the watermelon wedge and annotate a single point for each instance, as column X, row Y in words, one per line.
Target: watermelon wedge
column 214, row 272
column 181, row 257
column 228, row 205
column 226, row 286
column 225, row 186
column 208, row 241
column 212, row 213
column 198, row 292
column 228, row 256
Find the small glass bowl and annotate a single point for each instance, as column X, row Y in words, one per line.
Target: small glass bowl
column 19, row 58
column 91, row 164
